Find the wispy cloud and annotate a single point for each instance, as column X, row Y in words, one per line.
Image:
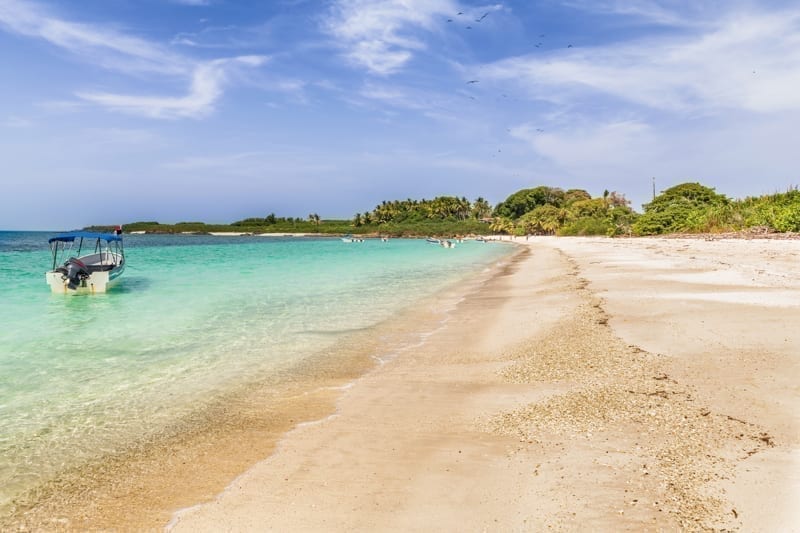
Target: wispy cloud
column 115, row 50
column 579, row 147
column 747, row 61
column 649, row 11
column 16, row 122
column 101, row 46
column 280, row 161
column 384, row 35
column 206, row 87
column 210, row 37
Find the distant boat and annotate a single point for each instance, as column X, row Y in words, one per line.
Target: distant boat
column 92, row 272
column 444, row 243
column 350, row 238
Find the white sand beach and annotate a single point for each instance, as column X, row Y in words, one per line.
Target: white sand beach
column 637, row 384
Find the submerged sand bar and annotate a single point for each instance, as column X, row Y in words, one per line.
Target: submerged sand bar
column 593, row 384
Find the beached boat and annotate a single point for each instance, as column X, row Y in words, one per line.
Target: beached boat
column 95, row 271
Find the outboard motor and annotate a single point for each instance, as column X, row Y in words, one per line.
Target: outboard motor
column 75, row 271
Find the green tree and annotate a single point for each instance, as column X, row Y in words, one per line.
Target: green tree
column 574, row 195
column 526, row 200
column 481, row 208
column 502, row 225
column 681, row 208
column 543, row 220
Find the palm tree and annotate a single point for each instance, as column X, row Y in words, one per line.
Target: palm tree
column 502, row 225
column 314, row 219
column 481, row 208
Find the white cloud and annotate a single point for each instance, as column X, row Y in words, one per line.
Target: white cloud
column 221, row 37
column 643, row 10
column 747, row 61
column 381, row 34
column 593, row 147
column 102, row 46
column 115, row 50
column 206, row 87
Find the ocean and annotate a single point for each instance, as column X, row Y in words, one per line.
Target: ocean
column 192, row 318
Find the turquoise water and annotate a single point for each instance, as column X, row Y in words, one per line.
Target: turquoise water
column 191, row 317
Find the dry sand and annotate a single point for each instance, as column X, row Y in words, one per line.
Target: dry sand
column 595, row 384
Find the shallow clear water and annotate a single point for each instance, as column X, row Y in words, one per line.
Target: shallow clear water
column 191, row 317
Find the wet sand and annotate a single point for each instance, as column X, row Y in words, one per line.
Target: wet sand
column 596, row 384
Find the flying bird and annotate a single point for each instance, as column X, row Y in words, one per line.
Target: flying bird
column 569, row 46
column 472, row 81
column 482, row 17
column 460, row 12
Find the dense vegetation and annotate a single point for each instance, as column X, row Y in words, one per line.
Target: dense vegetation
column 694, row 208
column 553, row 211
column 443, row 216
column 542, row 210
column 441, row 208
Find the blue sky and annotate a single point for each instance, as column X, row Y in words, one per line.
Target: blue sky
column 114, row 111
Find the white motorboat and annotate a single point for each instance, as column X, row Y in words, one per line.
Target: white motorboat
column 91, row 272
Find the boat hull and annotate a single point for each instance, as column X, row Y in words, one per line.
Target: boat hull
column 97, row 282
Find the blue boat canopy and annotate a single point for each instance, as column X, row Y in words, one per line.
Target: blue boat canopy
column 72, row 235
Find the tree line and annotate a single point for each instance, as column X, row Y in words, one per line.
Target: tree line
column 541, row 210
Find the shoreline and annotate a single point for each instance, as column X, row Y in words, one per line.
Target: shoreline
column 643, row 384
column 139, row 487
column 594, row 396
